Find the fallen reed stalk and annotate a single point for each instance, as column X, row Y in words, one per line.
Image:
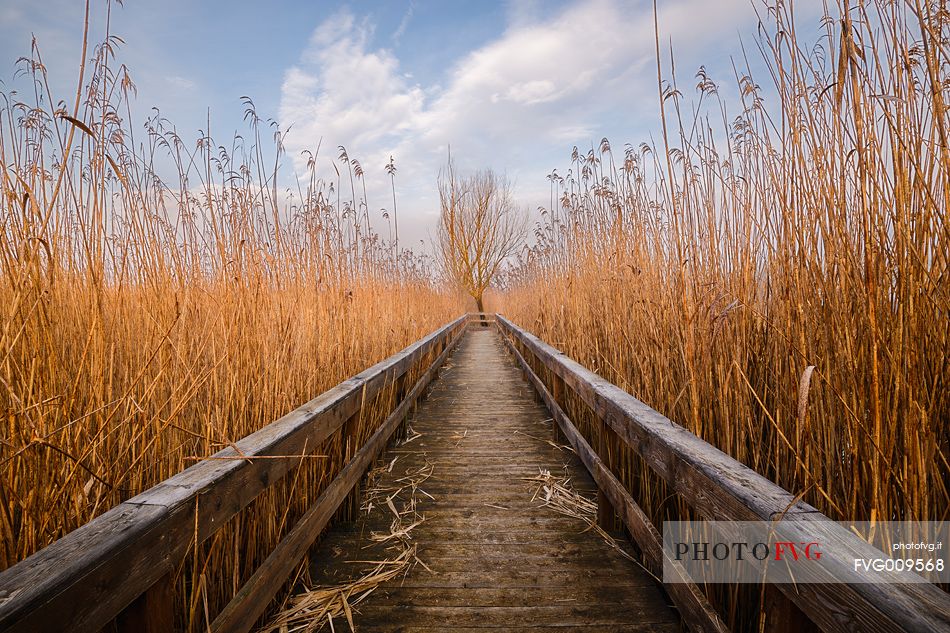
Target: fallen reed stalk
column 316, row 607
column 559, row 496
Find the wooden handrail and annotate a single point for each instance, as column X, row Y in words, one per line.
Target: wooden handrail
column 85, row 579
column 692, row 603
column 252, row 599
column 721, row 488
column 484, row 318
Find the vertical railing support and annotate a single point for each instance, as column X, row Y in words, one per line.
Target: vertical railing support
column 151, row 612
column 606, row 514
column 781, row 615
column 608, row 447
column 557, row 392
column 349, row 436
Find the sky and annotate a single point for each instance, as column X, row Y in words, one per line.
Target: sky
column 510, row 85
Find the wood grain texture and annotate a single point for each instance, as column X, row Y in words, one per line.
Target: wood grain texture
column 152, row 612
column 695, row 609
column 498, row 560
column 245, row 608
column 722, row 488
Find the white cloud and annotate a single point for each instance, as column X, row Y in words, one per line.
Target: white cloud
column 546, row 83
column 404, row 23
column 182, row 83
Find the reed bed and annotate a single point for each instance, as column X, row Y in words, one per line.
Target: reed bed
column 162, row 297
column 774, row 277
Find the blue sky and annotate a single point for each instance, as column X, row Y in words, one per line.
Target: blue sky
column 511, row 85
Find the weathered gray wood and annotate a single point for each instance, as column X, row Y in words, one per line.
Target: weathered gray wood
column 246, row 607
column 87, row 577
column 613, row 499
column 606, row 515
column 497, row 558
column 548, row 616
column 722, row 488
column 526, row 627
column 486, row 597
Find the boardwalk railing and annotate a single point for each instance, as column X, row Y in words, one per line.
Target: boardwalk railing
column 120, row 565
column 719, row 488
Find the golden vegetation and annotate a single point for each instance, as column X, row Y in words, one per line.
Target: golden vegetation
column 148, row 323
column 776, row 279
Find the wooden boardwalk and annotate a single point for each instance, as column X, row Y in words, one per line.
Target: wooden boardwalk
column 485, row 553
column 491, row 557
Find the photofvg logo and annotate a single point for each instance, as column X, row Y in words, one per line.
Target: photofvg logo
column 805, row 551
column 761, row 551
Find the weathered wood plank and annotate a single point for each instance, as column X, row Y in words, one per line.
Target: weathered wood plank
column 153, row 611
column 525, row 627
column 722, row 488
column 245, row 608
column 469, row 597
column 613, row 497
column 493, row 556
column 549, row 615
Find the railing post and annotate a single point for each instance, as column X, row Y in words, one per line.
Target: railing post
column 557, row 392
column 606, row 514
column 350, row 508
column 151, row 612
column 608, row 443
column 399, row 392
column 781, row 615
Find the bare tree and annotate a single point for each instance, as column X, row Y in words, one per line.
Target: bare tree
column 479, row 228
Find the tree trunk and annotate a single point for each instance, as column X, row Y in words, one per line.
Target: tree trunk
column 481, row 308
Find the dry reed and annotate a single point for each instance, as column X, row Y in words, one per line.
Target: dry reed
column 780, row 291
column 775, row 278
column 161, row 298
column 315, row 607
column 558, row 495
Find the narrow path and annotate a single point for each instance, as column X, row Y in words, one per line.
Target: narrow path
column 491, row 557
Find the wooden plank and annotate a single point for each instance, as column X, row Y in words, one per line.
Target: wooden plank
column 503, row 616
column 240, row 614
column 606, row 515
column 507, row 577
column 487, row 546
column 97, row 553
column 445, row 555
column 695, row 608
column 722, row 488
column 781, row 615
column 485, row 597
column 538, row 552
column 525, row 627
column 562, row 532
column 91, row 574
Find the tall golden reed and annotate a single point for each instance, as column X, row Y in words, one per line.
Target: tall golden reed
column 776, row 279
column 146, row 323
